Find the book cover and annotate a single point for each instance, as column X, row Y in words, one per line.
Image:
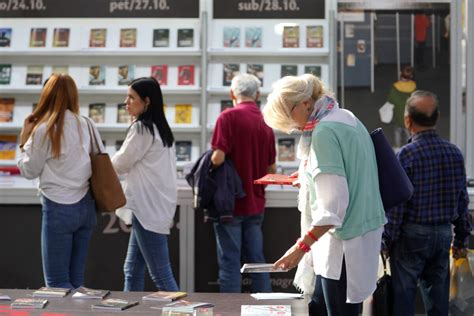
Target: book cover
column 64, row 70
column 183, row 114
column 183, row 153
column 185, row 306
column 260, row 267
column 51, row 292
column 5, row 74
column 271, row 178
column 186, row 75
column 314, row 36
column 33, row 303
column 61, row 37
column 38, row 37
column 226, row 104
column 5, row 37
column 8, row 147
column 160, row 73
column 97, row 112
column 126, row 74
column 185, row 37
column 128, row 38
column 289, row 70
column 291, row 36
column 34, row 75
column 163, row 296
column 4, row 297
column 6, row 109
column 118, row 144
column 114, row 304
column 286, row 149
column 314, row 70
column 97, row 75
column 161, row 38
column 230, row 71
column 98, row 38
column 265, row 310
column 231, row 37
column 86, row 293
column 256, row 70
column 253, row 37
column 122, row 114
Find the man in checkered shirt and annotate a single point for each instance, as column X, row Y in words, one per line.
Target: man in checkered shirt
column 418, row 234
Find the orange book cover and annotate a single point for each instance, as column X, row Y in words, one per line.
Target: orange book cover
column 272, row 178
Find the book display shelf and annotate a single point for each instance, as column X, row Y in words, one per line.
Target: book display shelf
column 194, row 57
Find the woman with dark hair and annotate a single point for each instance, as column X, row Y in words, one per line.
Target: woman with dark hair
column 147, row 159
column 55, row 146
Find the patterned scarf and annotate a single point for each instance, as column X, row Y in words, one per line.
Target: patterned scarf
column 322, row 107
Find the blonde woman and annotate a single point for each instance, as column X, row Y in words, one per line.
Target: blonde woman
column 55, row 146
column 342, row 216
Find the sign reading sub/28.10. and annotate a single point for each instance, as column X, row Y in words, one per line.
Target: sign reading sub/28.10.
column 99, row 8
column 269, row 9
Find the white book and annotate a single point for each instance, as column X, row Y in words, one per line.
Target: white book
column 277, row 296
column 260, row 268
column 264, row 310
column 86, row 293
column 4, row 297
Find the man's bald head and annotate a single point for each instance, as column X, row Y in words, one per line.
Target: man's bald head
column 422, row 108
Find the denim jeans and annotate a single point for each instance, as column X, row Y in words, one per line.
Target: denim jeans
column 421, row 254
column 65, row 234
column 240, row 237
column 150, row 249
column 329, row 297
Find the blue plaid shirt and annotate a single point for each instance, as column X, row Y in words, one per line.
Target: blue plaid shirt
column 436, row 170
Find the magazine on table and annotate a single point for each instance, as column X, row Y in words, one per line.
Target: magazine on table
column 163, row 296
column 4, row 297
column 260, row 268
column 114, row 304
column 86, row 293
column 30, row 303
column 183, row 306
column 51, row 292
column 263, row 310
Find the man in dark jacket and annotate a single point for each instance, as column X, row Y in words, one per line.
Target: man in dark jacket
column 242, row 136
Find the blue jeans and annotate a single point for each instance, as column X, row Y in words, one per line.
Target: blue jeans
column 329, row 297
column 242, row 235
column 150, row 249
column 421, row 254
column 65, row 234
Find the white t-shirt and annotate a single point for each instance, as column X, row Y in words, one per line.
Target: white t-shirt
column 150, row 181
column 64, row 180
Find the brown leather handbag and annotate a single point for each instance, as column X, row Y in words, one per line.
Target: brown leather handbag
column 105, row 185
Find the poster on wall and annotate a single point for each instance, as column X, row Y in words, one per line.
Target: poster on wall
column 361, row 46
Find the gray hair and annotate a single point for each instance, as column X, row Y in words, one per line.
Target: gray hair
column 420, row 94
column 245, row 85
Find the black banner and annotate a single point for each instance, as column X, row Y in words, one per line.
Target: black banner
column 99, row 8
column 269, row 9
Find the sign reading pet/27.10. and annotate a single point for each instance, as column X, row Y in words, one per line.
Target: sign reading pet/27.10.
column 269, row 9
column 99, row 8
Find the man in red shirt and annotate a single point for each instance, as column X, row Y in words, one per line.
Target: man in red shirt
column 422, row 23
column 242, row 136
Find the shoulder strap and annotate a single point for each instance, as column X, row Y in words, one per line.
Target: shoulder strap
column 93, row 136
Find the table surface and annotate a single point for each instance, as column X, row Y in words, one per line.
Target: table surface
column 225, row 304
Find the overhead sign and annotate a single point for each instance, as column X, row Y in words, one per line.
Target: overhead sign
column 269, row 9
column 99, row 8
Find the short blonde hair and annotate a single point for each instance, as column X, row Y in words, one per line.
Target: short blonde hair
column 287, row 92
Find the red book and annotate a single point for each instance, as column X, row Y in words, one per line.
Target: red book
column 271, row 178
column 160, row 73
column 186, row 75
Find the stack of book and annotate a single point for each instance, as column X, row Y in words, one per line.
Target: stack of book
column 86, row 293
column 186, row 307
column 114, row 304
column 263, row 310
column 51, row 292
column 30, row 303
column 162, row 296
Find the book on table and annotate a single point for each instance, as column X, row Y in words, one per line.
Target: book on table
column 4, row 297
column 263, row 310
column 273, row 178
column 277, row 296
column 260, row 268
column 86, row 293
column 183, row 306
column 163, row 296
column 30, row 303
column 51, row 292
column 114, row 304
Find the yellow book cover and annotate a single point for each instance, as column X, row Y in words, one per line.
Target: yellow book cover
column 183, row 114
column 128, row 38
column 7, row 147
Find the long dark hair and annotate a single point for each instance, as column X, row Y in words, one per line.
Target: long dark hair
column 154, row 113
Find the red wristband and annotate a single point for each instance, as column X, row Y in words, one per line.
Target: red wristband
column 303, row 246
column 312, row 236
